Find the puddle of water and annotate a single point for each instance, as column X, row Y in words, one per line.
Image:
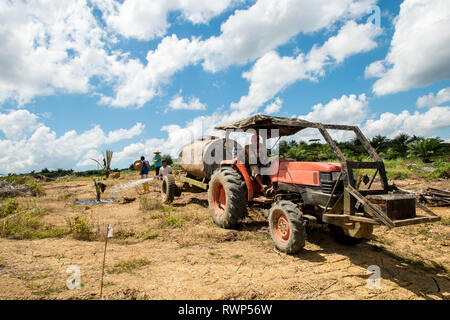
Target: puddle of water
column 94, row 202
column 120, row 187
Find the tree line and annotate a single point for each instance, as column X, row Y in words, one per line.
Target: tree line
column 402, row 146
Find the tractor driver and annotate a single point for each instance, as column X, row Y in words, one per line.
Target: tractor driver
column 256, row 155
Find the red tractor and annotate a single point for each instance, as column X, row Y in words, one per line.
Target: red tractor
column 303, row 192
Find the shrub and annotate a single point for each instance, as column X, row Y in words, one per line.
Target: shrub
column 127, row 266
column 124, row 234
column 27, row 225
column 9, row 208
column 172, row 222
column 81, row 228
column 424, row 148
column 148, row 235
column 442, row 170
column 148, row 204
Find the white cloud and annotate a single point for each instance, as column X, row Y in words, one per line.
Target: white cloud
column 426, row 124
column 351, row 110
column 138, row 84
column 375, row 70
column 50, row 47
column 274, row 107
column 73, row 48
column 31, row 145
column 121, row 134
column 272, row 73
column 246, row 35
column 419, row 52
column 16, row 124
column 249, row 34
column 177, row 103
column 147, row 19
column 269, row 75
column 351, row 39
column 432, row 100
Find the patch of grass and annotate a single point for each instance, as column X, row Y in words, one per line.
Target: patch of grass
column 63, row 196
column 442, row 170
column 108, row 284
column 433, row 267
column 156, row 215
column 41, row 284
column 27, row 225
column 172, row 222
column 124, row 234
column 168, row 209
column 127, row 266
column 237, row 256
column 424, row 230
column 148, row 235
column 258, row 237
column 10, row 207
column 81, row 228
column 212, row 253
column 395, row 175
column 445, row 221
column 149, row 204
column 402, row 168
column 60, row 256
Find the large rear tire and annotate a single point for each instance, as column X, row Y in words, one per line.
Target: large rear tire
column 227, row 198
column 168, row 189
column 287, row 227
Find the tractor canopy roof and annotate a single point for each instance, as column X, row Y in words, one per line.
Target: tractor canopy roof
column 286, row 126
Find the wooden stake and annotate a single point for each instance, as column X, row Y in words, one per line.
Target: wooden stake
column 104, row 257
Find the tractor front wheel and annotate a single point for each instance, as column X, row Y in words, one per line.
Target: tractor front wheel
column 287, row 227
column 227, row 198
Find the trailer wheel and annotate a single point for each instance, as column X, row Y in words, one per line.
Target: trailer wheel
column 227, row 198
column 287, row 227
column 168, row 189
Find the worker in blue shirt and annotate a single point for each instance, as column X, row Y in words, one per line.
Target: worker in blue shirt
column 144, row 174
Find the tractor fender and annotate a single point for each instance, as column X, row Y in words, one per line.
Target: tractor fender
column 240, row 167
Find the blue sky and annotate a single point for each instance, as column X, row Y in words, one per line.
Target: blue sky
column 134, row 76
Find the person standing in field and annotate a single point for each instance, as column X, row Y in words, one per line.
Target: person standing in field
column 157, row 161
column 165, row 169
column 144, row 174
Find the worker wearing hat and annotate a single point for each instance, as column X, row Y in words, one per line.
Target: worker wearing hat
column 157, row 161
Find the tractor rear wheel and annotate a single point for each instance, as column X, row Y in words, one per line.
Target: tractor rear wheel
column 168, row 189
column 287, row 227
column 227, row 198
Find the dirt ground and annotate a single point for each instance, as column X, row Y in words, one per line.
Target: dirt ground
column 188, row 257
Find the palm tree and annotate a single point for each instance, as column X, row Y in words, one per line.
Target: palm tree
column 424, row 148
column 401, row 141
column 379, row 142
column 106, row 166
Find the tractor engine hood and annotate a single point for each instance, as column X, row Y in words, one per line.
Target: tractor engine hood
column 303, row 173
